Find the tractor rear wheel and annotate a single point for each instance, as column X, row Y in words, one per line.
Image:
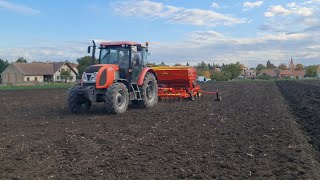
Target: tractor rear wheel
column 76, row 102
column 149, row 91
column 117, row 98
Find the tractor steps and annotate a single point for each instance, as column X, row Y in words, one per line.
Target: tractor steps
column 136, row 91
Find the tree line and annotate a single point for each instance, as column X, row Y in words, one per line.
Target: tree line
column 214, row 71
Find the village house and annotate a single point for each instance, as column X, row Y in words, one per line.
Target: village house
column 17, row 73
column 250, row 74
column 291, row 72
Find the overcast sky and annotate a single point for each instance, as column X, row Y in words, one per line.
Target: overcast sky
column 178, row 31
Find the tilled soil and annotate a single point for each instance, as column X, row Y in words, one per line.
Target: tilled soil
column 250, row 134
column 304, row 100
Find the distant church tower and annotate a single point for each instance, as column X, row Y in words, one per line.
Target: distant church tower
column 292, row 66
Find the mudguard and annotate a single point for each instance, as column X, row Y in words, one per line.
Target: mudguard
column 143, row 73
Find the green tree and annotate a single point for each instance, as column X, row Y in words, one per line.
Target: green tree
column 219, row 76
column 260, row 67
column 299, row 67
column 311, row 71
column 3, row 65
column 83, row 62
column 21, row 60
column 282, row 67
column 264, row 76
column 202, row 65
column 232, row 71
column 200, row 72
column 65, row 75
column 270, row 66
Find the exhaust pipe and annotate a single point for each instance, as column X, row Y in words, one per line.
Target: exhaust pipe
column 93, row 57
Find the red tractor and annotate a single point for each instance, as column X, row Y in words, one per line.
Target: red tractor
column 120, row 76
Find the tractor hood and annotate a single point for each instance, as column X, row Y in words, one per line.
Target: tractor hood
column 101, row 75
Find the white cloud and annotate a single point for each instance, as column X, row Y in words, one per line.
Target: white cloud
column 293, row 8
column 210, row 46
column 155, row 10
column 312, row 2
column 215, row 5
column 213, row 46
column 293, row 18
column 291, row 5
column 277, row 10
column 303, row 11
column 18, row 8
column 249, row 5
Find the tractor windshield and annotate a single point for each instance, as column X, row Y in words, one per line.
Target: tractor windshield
column 115, row 55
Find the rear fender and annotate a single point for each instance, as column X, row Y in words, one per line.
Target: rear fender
column 106, row 76
column 143, row 74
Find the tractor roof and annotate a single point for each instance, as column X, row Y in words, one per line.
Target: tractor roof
column 116, row 43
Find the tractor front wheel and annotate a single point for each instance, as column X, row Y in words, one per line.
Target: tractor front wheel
column 117, row 98
column 76, row 102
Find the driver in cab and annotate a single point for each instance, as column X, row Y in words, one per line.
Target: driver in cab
column 124, row 60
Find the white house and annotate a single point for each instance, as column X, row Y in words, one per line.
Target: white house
column 250, row 74
column 17, row 73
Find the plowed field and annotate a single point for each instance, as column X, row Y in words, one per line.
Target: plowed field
column 253, row 133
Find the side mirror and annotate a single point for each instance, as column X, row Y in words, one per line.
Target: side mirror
column 89, row 49
column 139, row 47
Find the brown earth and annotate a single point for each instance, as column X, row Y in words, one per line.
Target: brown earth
column 304, row 100
column 251, row 134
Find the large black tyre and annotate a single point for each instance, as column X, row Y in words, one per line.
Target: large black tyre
column 76, row 102
column 149, row 91
column 117, row 98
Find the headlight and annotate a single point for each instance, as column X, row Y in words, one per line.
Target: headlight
column 84, row 77
column 93, row 77
column 89, row 77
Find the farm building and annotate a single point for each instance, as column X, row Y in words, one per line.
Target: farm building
column 17, row 73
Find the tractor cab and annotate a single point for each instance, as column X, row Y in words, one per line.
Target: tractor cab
column 131, row 58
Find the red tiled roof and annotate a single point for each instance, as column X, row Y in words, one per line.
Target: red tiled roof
column 285, row 72
column 292, row 73
column 299, row 73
